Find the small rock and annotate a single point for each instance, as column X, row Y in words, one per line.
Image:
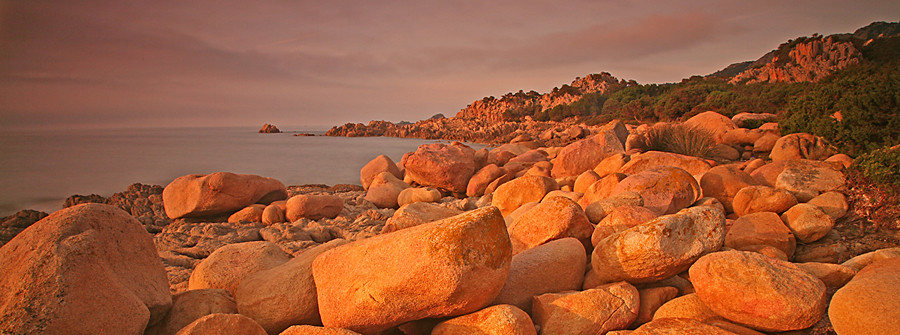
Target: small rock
column 807, row 222
column 755, row 199
column 418, row 194
column 417, row 213
column 273, row 214
column 832, row 203
column 384, row 191
column 191, row 305
column 269, row 129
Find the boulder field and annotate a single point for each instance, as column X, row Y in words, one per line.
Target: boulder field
column 594, row 237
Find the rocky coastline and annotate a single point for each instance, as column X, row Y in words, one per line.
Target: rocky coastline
column 561, row 229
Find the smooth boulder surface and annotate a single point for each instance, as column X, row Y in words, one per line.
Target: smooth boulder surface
column 724, row 182
column 713, row 123
column 252, row 213
column 418, row 194
column 442, row 166
column 763, row 228
column 651, row 299
column 807, row 222
column 665, row 189
column 375, row 167
column 284, row 295
column 315, row 330
column 620, row 219
column 755, row 199
column 198, row 195
column 313, row 207
column 494, row 320
column 806, row 181
column 868, row 304
column 228, row 265
column 481, row 179
column 445, row 268
column 585, row 154
column 679, row 327
column 661, row 248
column 758, row 291
column 191, row 305
column 417, row 213
column 832, row 203
column 86, row 269
column 517, row 192
column 654, row 159
column 216, row 324
column 553, row 218
column 801, row 146
column 593, row 311
column 552, row 267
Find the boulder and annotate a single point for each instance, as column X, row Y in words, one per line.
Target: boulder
column 601, row 189
column 766, row 142
column 807, row 222
column 861, row 261
column 500, row 157
column 714, row 123
column 480, row 181
column 417, row 213
column 598, row 210
column 654, row 159
column 191, row 305
column 584, row 180
column 660, row 248
column 218, row 193
column 834, row 204
column 555, row 266
column 384, row 191
column 530, row 156
column 574, row 196
column 228, row 265
column 252, row 213
column 611, row 164
column 445, row 268
column 593, row 311
column 552, row 219
column 650, row 300
column 724, row 182
column 761, row 292
column 868, row 304
column 801, row 146
column 843, row 159
column 688, row 306
column 509, row 196
column 273, row 214
column 741, row 136
column 418, row 194
column 679, row 326
column 755, row 199
column 585, row 154
column 214, row 324
column 538, row 169
column 763, row 228
column 746, row 120
column 86, row 269
column 442, row 166
column 665, row 189
column 620, row 219
column 723, row 152
column 313, row 207
column 284, row 295
column 833, row 275
column 806, row 181
column 375, row 167
column 315, row 330
column 494, row 320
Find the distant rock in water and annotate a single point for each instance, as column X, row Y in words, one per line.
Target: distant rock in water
column 269, row 129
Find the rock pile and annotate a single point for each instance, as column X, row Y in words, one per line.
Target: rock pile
column 594, row 237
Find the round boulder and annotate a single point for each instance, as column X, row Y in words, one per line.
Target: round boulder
column 665, row 189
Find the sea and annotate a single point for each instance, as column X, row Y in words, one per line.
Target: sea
column 40, row 169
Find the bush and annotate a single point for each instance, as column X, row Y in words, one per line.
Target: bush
column 679, row 139
column 881, row 167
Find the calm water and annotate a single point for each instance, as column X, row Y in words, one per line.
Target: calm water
column 39, row 169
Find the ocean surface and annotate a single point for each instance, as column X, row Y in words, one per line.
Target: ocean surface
column 40, row 169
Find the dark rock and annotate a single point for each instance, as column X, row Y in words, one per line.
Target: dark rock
column 79, row 199
column 269, row 129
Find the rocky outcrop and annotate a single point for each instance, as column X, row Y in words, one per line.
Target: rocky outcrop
column 269, row 129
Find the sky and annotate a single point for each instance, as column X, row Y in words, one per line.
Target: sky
column 313, row 64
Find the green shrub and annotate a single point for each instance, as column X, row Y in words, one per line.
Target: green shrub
column 679, row 139
column 881, row 167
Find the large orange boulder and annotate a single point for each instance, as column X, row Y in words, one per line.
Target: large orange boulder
column 87, row 269
column 593, row 311
column 417, row 213
column 868, row 304
column 384, row 191
column 660, row 248
column 228, row 265
column 724, row 182
column 601, row 189
column 801, row 146
column 688, row 306
column 620, row 219
column 585, row 154
column 552, row 267
column 755, row 199
column 760, row 229
column 191, row 305
column 714, row 123
column 442, row 166
column 654, row 159
column 665, row 189
column 444, row 268
column 759, row 291
column 218, row 193
column 480, row 181
column 313, row 206
column 553, row 218
column 375, row 167
column 517, row 192
column 284, row 295
column 215, row 324
column 494, row 320
column 806, row 181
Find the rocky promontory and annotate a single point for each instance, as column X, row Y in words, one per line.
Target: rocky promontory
column 602, row 235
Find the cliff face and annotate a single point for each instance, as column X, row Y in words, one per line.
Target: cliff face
column 809, row 59
column 511, row 105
